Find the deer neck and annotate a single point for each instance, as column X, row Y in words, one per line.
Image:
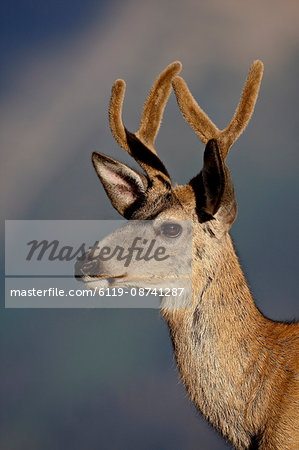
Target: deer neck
column 221, row 299
column 217, row 342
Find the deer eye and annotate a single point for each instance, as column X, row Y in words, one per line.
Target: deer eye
column 171, row 230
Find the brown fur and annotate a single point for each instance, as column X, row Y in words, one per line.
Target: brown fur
column 240, row 369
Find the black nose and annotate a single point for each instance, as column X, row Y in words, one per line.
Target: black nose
column 84, row 268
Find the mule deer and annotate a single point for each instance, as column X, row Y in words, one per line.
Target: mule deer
column 239, row 367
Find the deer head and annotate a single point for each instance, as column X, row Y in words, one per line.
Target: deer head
column 207, row 201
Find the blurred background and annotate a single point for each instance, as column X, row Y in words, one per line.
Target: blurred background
column 106, row 379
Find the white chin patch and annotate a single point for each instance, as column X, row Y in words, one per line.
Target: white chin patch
column 96, row 283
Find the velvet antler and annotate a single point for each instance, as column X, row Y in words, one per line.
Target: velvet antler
column 204, row 127
column 141, row 144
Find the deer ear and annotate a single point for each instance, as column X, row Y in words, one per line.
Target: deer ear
column 213, row 177
column 218, row 187
column 213, row 189
column 123, row 185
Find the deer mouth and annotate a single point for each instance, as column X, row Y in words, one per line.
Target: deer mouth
column 107, row 277
column 93, row 270
column 112, row 280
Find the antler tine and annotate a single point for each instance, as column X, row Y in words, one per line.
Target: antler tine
column 150, row 121
column 155, row 104
column 204, row 127
column 115, row 112
column 192, row 113
column 244, row 110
